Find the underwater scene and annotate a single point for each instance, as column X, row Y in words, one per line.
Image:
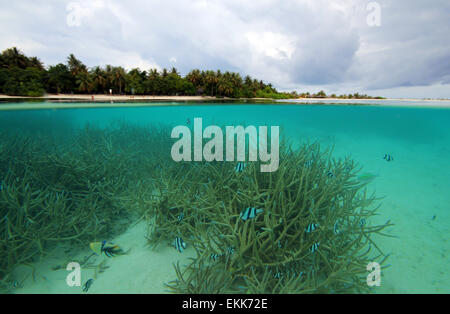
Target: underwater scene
column 109, row 200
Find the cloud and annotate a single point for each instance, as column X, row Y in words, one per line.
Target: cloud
column 294, row 44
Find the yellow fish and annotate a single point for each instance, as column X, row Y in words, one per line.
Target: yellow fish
column 110, row 249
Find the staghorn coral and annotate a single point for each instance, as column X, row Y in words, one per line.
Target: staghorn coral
column 273, row 252
column 71, row 188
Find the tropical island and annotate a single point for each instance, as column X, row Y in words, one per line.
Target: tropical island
column 24, row 76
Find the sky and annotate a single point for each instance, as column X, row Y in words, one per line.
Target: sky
column 390, row 48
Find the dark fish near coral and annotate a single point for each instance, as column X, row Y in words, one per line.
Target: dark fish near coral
column 315, row 247
column 239, row 167
column 215, row 257
column 87, row 285
column 179, row 244
column 330, row 174
column 311, row 227
column 250, row 213
column 188, row 121
column 362, row 222
column 388, row 158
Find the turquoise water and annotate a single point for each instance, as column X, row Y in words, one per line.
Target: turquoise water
column 414, row 186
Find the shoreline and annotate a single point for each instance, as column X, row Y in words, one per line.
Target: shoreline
column 68, row 101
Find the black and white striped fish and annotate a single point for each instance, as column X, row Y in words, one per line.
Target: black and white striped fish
column 179, row 244
column 311, row 227
column 87, row 285
column 388, row 158
column 330, row 174
column 250, row 213
column 230, row 250
column 315, row 247
column 239, row 167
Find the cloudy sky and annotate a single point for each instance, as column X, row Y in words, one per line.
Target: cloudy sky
column 392, row 48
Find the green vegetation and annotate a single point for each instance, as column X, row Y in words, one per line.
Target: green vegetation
column 23, row 76
column 322, row 94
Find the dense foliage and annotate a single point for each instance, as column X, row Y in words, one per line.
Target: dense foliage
column 24, row 76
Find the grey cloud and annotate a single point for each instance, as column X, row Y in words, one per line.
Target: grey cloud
column 314, row 44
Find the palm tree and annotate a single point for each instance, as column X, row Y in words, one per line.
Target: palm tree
column 85, row 82
column 99, row 78
column 118, row 78
column 75, row 66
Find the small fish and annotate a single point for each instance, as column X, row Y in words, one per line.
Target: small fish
column 330, row 174
column 180, row 217
column 188, row 121
column 388, row 158
column 309, row 163
column 215, row 257
column 336, row 228
column 230, row 250
column 362, row 222
column 87, row 285
column 311, row 227
column 239, row 167
column 315, row 247
column 279, row 244
column 434, row 217
column 179, row 244
column 250, row 213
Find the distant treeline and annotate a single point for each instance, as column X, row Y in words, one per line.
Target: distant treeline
column 26, row 76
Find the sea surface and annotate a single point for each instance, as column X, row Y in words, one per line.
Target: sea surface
column 406, row 150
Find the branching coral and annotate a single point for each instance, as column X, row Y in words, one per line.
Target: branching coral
column 313, row 235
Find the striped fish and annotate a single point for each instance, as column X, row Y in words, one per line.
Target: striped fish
column 239, row 167
column 230, row 250
column 330, row 174
column 87, row 285
column 250, row 213
column 315, row 247
column 388, row 158
column 309, row 163
column 311, row 227
column 180, row 217
column 179, row 244
column 336, row 228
